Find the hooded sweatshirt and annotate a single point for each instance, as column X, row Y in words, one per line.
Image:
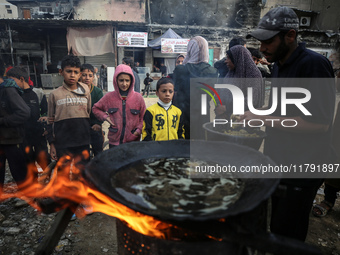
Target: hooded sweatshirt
column 127, row 114
column 71, row 112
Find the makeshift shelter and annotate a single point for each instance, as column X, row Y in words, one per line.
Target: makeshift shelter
column 169, row 59
column 156, row 43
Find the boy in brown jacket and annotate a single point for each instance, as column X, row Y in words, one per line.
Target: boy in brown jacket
column 69, row 108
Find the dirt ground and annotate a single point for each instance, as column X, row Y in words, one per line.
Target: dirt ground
column 96, row 234
column 325, row 232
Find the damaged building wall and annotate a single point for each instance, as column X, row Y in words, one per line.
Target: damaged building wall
column 326, row 44
column 214, row 13
column 114, row 10
column 329, row 18
column 217, row 21
column 61, row 9
column 300, row 4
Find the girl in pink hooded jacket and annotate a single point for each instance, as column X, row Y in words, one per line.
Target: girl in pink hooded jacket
column 123, row 108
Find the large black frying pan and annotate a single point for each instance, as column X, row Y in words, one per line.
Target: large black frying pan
column 101, row 169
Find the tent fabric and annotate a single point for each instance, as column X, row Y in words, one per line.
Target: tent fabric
column 90, row 41
column 156, row 43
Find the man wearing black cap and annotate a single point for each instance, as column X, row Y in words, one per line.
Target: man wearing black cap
column 309, row 141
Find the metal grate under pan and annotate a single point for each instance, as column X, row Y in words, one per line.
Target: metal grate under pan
column 132, row 242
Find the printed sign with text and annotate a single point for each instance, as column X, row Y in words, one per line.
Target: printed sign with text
column 174, row 45
column 132, row 39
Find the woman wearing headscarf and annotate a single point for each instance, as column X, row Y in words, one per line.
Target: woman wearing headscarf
column 179, row 61
column 195, row 65
column 244, row 74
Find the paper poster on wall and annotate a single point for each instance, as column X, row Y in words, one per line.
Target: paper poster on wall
column 132, row 39
column 174, row 45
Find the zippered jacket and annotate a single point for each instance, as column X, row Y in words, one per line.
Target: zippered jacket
column 13, row 113
column 33, row 129
column 71, row 112
column 127, row 115
column 162, row 125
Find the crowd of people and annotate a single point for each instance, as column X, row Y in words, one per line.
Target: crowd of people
column 77, row 109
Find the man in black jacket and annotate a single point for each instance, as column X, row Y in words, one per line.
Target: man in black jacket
column 307, row 143
column 34, row 139
column 13, row 114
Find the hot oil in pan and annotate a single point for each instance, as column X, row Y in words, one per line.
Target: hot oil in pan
column 168, row 185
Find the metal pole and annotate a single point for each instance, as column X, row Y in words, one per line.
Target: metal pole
column 149, row 12
column 115, row 47
column 11, row 42
column 48, row 49
column 54, row 233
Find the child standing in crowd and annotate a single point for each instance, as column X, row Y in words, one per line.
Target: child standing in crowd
column 34, row 138
column 163, row 121
column 147, row 82
column 123, row 108
column 69, row 108
column 129, row 62
column 87, row 77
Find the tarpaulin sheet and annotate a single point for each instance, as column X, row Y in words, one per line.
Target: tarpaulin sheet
column 90, row 41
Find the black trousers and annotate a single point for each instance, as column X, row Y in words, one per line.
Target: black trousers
column 97, row 141
column 15, row 155
column 330, row 193
column 37, row 151
column 74, row 151
column 290, row 214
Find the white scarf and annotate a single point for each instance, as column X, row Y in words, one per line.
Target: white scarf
column 165, row 106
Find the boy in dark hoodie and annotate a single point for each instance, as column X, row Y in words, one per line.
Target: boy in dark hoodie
column 87, row 77
column 123, row 108
column 69, row 108
column 34, row 142
column 13, row 114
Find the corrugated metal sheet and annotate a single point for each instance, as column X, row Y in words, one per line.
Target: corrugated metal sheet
column 107, row 59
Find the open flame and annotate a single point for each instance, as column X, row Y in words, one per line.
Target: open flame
column 68, row 188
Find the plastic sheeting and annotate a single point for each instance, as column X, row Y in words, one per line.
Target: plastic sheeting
column 90, row 41
column 156, row 43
